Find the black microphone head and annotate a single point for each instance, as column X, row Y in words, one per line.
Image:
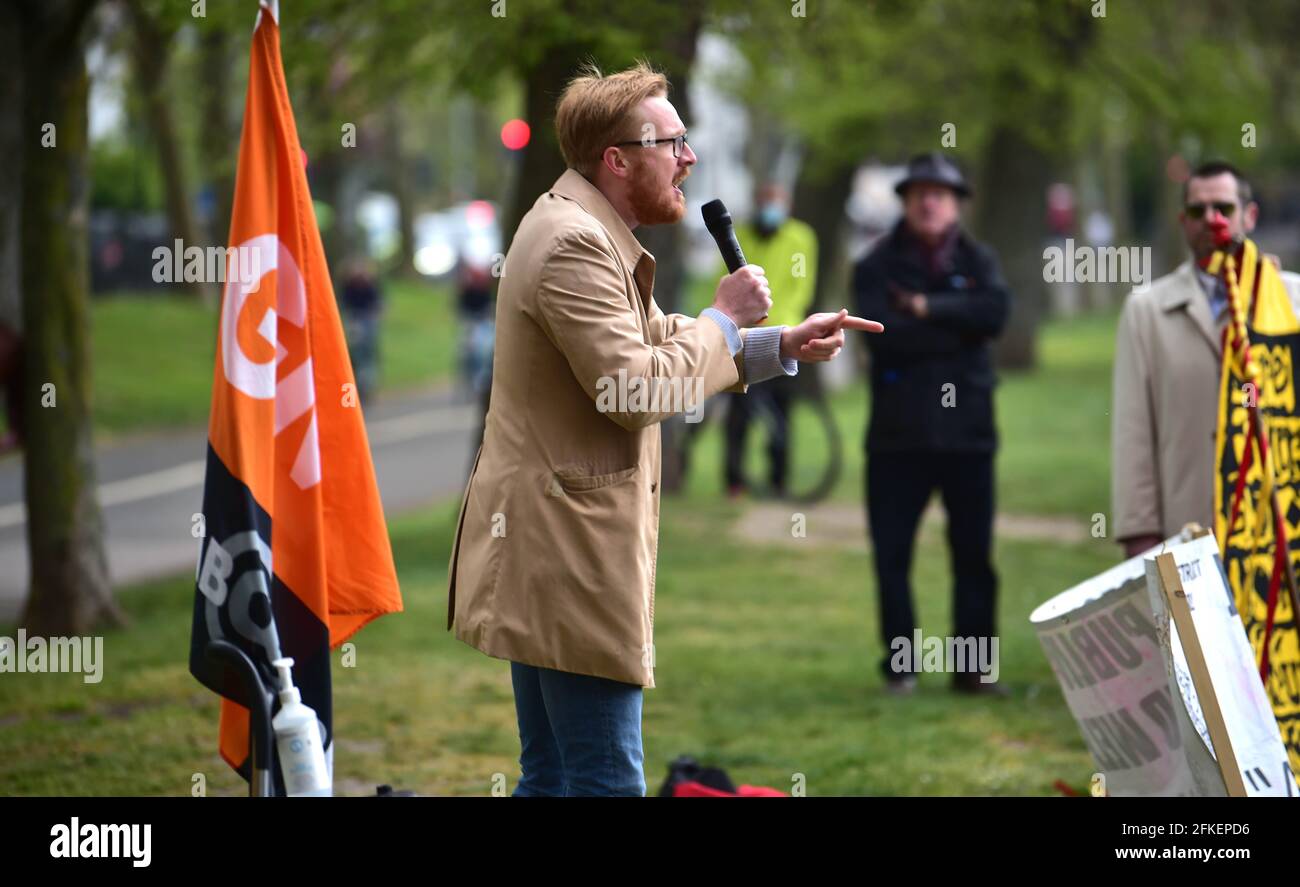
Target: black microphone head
column 716, row 217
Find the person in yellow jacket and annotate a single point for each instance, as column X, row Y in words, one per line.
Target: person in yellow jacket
column 786, row 249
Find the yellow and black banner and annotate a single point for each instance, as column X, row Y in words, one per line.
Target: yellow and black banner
column 1257, row 473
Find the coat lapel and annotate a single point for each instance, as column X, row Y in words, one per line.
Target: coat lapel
column 636, row 258
column 644, row 275
column 1188, row 296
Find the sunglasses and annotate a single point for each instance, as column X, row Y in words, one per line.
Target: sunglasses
column 1199, row 210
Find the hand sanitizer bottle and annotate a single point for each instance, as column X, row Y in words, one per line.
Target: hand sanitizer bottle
column 297, row 736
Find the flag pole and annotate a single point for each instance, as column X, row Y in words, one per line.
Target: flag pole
column 271, row 6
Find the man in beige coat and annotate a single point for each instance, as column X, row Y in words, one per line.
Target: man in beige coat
column 553, row 565
column 1167, row 365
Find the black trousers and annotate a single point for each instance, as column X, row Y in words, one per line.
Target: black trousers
column 771, row 400
column 899, row 486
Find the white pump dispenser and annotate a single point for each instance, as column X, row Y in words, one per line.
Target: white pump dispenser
column 298, row 739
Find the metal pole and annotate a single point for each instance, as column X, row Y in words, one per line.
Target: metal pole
column 261, row 758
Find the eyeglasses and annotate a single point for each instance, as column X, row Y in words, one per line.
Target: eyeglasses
column 679, row 142
column 1199, row 210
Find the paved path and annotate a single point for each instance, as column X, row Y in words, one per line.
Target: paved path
column 151, row 485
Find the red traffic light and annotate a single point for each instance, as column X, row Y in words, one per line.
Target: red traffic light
column 515, row 134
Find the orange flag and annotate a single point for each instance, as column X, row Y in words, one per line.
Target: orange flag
column 295, row 556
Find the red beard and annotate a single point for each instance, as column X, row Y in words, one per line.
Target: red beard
column 652, row 205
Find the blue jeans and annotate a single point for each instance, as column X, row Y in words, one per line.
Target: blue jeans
column 578, row 734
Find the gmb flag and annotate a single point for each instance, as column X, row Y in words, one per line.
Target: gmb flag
column 1257, row 474
column 295, row 555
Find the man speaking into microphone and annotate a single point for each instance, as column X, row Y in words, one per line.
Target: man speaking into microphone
column 553, row 564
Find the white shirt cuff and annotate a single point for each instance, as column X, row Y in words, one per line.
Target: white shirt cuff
column 763, row 358
column 729, row 328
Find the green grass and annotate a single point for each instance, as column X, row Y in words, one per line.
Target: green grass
column 153, row 354
column 766, row 666
column 766, row 654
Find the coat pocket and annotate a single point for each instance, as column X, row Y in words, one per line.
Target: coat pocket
column 571, row 482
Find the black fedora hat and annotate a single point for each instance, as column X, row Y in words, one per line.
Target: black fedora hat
column 936, row 169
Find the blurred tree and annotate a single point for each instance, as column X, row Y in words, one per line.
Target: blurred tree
column 1031, row 91
column 70, row 592
column 542, row 44
column 153, row 30
column 12, row 140
column 1187, row 77
column 123, row 177
column 218, row 136
column 399, row 183
column 1032, row 88
column 358, row 74
column 889, row 79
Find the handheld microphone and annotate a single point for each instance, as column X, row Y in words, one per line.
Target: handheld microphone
column 718, row 221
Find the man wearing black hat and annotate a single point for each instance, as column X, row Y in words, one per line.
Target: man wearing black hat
column 942, row 299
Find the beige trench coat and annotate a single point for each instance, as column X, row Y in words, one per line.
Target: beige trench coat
column 553, row 562
column 1166, row 405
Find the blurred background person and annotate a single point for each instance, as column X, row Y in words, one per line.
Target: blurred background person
column 942, row 299
column 1166, row 383
column 363, row 306
column 786, row 249
column 474, row 312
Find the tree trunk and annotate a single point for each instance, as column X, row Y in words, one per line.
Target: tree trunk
column 338, row 178
column 12, row 139
column 541, row 163
column 70, row 592
column 1017, row 170
column 1011, row 218
column 150, row 49
column 218, row 134
column 1170, row 247
column 820, row 195
column 819, row 199
column 401, row 183
column 1117, row 203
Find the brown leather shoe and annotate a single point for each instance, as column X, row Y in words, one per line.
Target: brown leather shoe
column 970, row 684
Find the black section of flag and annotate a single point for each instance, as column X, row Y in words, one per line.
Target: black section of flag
column 238, row 599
